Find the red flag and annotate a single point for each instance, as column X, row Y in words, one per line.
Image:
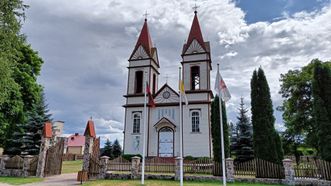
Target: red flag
column 151, row 102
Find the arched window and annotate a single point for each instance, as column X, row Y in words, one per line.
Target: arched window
column 195, row 78
column 138, row 82
column 136, row 123
column 195, row 115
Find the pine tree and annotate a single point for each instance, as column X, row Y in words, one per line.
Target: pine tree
column 108, row 149
column 244, row 143
column 117, row 149
column 215, row 127
column 33, row 128
column 267, row 144
column 233, row 139
column 322, row 108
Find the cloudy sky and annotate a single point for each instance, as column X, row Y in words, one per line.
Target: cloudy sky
column 86, row 44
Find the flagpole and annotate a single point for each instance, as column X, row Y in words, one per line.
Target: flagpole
column 144, row 133
column 180, row 130
column 222, row 133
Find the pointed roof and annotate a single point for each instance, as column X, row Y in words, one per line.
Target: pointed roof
column 47, row 132
column 89, row 130
column 145, row 40
column 195, row 33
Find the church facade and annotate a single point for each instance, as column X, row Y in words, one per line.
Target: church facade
column 163, row 119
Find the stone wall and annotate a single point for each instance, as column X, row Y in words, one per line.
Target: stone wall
column 24, row 172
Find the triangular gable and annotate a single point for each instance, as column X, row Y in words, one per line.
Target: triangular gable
column 170, row 97
column 144, row 40
column 89, row 130
column 195, row 47
column 140, row 53
column 164, row 122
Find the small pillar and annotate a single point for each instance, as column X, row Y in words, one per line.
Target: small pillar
column 26, row 165
column 45, row 144
column 3, row 160
column 289, row 171
column 135, row 165
column 177, row 173
column 89, row 139
column 229, row 169
column 103, row 166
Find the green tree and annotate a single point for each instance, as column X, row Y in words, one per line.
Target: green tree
column 267, row 143
column 321, row 87
column 244, row 151
column 215, row 128
column 108, row 149
column 117, row 149
column 297, row 107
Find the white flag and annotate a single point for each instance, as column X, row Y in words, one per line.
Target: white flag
column 221, row 87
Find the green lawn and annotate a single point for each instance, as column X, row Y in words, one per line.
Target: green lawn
column 71, row 166
column 19, row 180
column 164, row 183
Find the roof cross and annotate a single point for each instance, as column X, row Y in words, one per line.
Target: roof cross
column 145, row 15
column 167, row 78
column 195, row 8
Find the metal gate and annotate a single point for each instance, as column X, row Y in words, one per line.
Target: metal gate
column 94, row 163
column 53, row 164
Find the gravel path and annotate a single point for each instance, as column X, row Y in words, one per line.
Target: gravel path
column 58, row 180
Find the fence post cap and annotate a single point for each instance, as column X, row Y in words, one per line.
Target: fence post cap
column 179, row 158
column 287, row 160
column 104, row 157
column 135, row 157
column 229, row 159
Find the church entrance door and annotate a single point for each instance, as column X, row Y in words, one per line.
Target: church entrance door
column 166, row 142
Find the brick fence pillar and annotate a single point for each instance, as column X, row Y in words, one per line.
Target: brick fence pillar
column 289, row 171
column 177, row 173
column 26, row 165
column 135, row 165
column 229, row 169
column 103, row 166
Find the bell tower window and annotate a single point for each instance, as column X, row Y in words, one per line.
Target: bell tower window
column 195, row 78
column 139, row 82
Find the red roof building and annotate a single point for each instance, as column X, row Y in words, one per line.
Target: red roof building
column 75, row 144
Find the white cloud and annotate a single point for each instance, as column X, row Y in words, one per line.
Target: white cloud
column 85, row 45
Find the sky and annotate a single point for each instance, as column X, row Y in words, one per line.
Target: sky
column 85, row 46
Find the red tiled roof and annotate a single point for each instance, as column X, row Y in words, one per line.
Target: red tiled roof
column 195, row 33
column 76, row 140
column 47, row 131
column 145, row 40
column 90, row 129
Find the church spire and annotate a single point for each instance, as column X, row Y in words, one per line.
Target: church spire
column 195, row 32
column 144, row 39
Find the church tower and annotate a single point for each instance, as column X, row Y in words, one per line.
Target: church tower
column 143, row 67
column 196, row 65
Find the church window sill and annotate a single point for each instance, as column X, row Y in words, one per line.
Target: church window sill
column 195, row 133
column 135, row 133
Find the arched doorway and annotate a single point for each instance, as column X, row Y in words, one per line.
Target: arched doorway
column 166, row 142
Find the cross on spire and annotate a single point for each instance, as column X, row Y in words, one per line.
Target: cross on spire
column 195, row 8
column 145, row 15
column 167, row 78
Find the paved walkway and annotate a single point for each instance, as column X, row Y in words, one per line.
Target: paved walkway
column 58, row 180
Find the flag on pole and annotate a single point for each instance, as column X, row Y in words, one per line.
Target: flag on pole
column 151, row 102
column 222, row 88
column 182, row 91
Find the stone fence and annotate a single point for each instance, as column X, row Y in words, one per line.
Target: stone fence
column 23, row 168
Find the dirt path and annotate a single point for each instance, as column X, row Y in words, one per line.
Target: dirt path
column 58, row 180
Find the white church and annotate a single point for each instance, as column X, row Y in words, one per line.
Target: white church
column 163, row 119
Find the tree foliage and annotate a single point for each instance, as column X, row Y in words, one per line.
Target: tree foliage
column 297, row 107
column 117, row 149
column 244, row 144
column 321, row 87
column 267, row 143
column 215, row 127
column 108, row 149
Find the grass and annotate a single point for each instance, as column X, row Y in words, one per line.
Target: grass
column 71, row 166
column 19, row 180
column 165, row 183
